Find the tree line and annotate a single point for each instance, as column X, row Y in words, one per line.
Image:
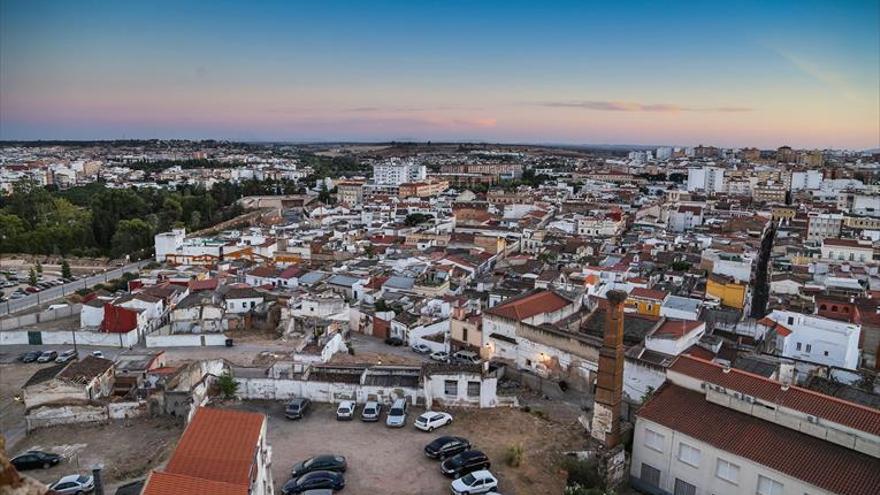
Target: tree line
column 97, row 220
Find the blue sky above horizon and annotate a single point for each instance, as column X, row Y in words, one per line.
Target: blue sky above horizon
column 801, row 73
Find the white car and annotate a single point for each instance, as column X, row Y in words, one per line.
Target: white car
column 440, row 356
column 74, row 483
column 345, row 411
column 476, row 482
column 98, row 354
column 432, row 420
column 421, row 348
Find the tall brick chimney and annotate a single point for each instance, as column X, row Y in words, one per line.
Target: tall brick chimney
column 605, row 426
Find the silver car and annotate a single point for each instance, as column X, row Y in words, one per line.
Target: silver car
column 371, row 411
column 396, row 417
column 73, row 484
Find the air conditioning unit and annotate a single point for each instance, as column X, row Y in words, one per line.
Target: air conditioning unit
column 813, row 419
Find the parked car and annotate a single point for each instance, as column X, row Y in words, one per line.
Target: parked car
column 17, row 295
column 463, row 463
column 396, row 417
column 475, row 482
column 47, row 356
column 29, row 357
column 297, row 408
column 73, row 484
column 371, row 411
column 34, row 459
column 345, row 411
column 319, row 463
column 421, row 348
column 314, row 480
column 443, row 447
column 66, row 356
column 431, row 420
column 395, row 341
column 440, row 356
column 98, row 354
column 466, row 357
column 32, row 290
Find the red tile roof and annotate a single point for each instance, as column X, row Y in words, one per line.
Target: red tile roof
column 528, row 305
column 810, row 459
column 677, row 328
column 161, row 483
column 207, row 284
column 800, row 399
column 653, row 294
column 218, row 445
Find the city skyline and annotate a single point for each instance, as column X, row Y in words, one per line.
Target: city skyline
column 802, row 74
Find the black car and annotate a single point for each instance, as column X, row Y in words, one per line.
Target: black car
column 313, row 480
column 444, row 447
column 334, row 463
column 29, row 357
column 35, row 459
column 297, row 408
column 464, row 463
column 394, row 341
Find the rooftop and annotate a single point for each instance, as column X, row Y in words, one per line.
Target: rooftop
column 528, row 305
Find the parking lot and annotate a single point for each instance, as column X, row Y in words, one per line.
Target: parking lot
column 392, row 461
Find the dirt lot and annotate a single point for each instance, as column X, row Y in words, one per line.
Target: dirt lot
column 384, row 460
column 127, row 451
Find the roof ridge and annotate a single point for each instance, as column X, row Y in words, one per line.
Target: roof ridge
column 795, row 387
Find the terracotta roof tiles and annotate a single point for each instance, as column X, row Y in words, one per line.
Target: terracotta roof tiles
column 528, row 305
column 817, row 462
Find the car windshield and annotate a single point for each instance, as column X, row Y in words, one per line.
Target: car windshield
column 369, row 409
column 83, row 479
column 396, row 411
column 469, row 479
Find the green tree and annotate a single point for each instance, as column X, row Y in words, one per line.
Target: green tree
column 39, row 267
column 65, row 269
column 370, row 250
column 414, row 219
column 30, row 201
column 32, row 276
column 227, row 385
column 131, row 236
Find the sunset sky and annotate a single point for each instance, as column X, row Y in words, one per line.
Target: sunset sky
column 767, row 73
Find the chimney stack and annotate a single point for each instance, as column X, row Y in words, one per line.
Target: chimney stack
column 605, row 426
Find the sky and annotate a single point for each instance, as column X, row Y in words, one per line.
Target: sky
column 768, row 73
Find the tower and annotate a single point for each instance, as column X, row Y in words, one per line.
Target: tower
column 605, row 426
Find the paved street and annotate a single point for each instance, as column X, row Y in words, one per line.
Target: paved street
column 52, row 293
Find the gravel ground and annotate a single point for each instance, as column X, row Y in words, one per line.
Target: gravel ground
column 384, row 460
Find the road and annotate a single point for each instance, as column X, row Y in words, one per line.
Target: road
column 52, row 293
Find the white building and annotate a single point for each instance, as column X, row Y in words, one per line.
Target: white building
column 715, row 430
column 823, row 226
column 847, row 250
column 395, row 172
column 707, row 179
column 806, row 180
column 168, row 242
column 815, row 339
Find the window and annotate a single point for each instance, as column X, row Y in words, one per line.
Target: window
column 791, row 320
column 825, row 352
column 767, row 486
column 464, row 334
column 450, row 387
column 654, row 440
column 809, row 348
column 650, row 475
column 473, row 389
column 688, row 455
column 798, row 346
column 727, row 471
column 684, row 488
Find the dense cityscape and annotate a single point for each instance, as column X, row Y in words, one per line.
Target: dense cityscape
column 412, row 248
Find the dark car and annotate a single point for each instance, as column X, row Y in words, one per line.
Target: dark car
column 319, row 463
column 29, row 357
column 297, row 408
column 35, row 459
column 464, row 463
column 444, row 447
column 395, row 341
column 47, row 356
column 314, row 480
